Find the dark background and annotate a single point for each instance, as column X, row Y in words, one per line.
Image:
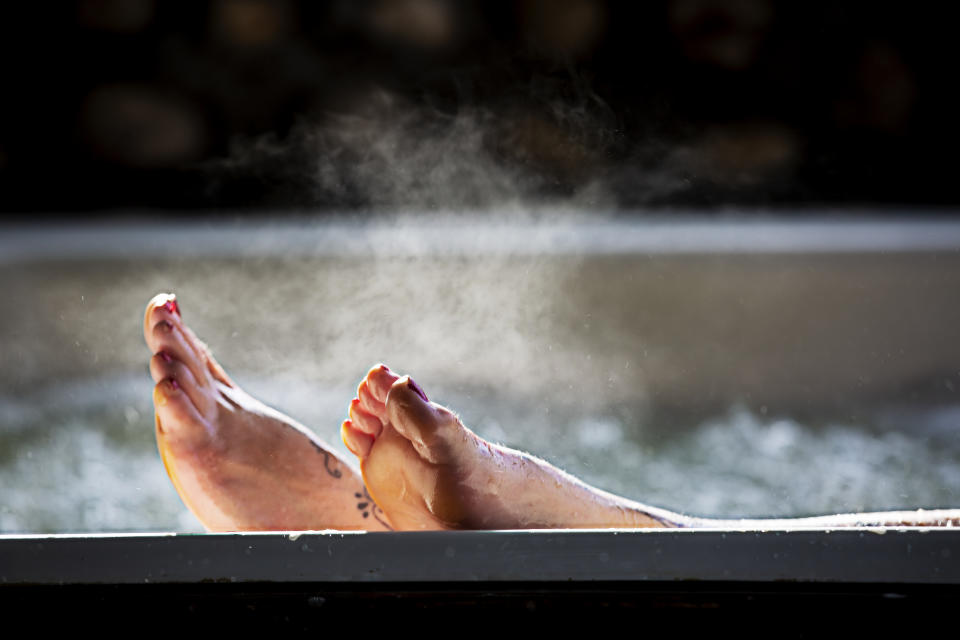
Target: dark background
column 378, row 104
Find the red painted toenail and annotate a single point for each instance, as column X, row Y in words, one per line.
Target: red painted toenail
column 171, row 306
column 416, row 387
column 174, row 383
column 166, row 356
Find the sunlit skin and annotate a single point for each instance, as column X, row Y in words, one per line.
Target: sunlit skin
column 427, row 471
column 242, row 466
column 237, row 464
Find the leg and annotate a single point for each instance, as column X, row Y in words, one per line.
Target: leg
column 236, row 463
column 917, row 518
column 427, row 471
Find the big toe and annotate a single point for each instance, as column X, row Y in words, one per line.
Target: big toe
column 426, row 425
column 166, row 301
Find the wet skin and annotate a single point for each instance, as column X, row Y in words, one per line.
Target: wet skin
column 427, row 471
column 242, row 466
column 236, row 463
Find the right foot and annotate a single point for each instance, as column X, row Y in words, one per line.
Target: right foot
column 427, row 471
column 236, row 463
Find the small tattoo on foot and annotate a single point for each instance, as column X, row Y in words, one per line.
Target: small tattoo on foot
column 367, row 502
column 327, row 458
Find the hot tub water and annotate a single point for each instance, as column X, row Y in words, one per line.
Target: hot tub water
column 715, row 367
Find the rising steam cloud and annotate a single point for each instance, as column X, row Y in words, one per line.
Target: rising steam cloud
column 538, row 148
column 387, row 153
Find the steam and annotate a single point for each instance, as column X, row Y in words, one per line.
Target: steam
column 394, row 155
column 386, row 153
column 552, row 144
column 538, row 342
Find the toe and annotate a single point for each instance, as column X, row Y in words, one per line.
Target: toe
column 177, row 417
column 166, row 337
column 161, row 301
column 370, row 404
column 379, row 380
column 418, row 419
column 373, row 391
column 357, row 442
column 163, row 366
column 163, row 316
column 363, row 420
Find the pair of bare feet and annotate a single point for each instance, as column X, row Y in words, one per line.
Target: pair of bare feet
column 242, row 466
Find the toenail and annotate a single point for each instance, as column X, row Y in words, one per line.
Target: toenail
column 171, row 306
column 166, row 356
column 416, row 387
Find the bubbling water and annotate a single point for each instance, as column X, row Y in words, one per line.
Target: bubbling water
column 571, row 338
column 81, row 457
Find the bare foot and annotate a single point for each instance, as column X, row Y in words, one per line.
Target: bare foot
column 427, row 471
column 236, row 463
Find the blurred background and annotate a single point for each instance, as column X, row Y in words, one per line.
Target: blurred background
column 246, row 104
column 702, row 253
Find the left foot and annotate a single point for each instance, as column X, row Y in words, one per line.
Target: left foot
column 236, row 463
